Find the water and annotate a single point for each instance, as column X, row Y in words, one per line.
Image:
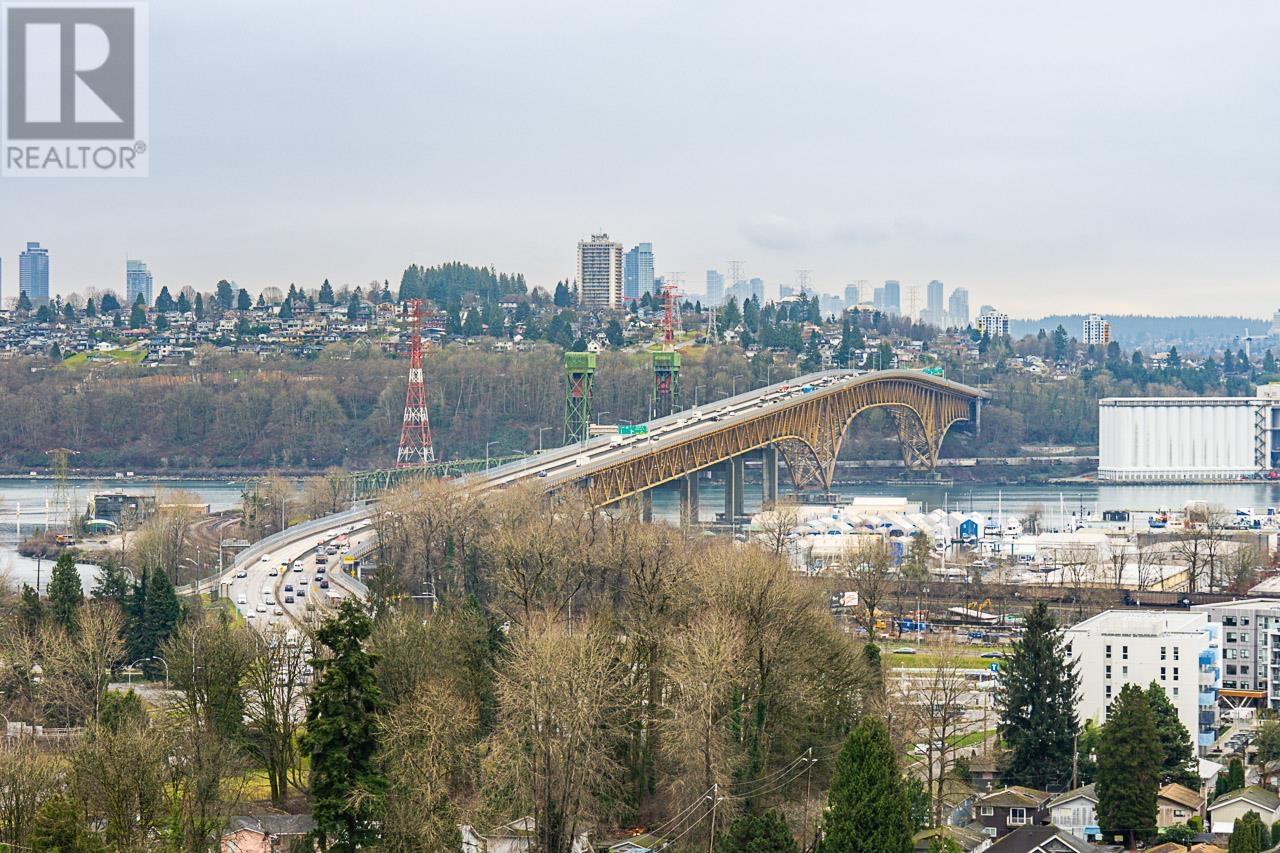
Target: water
column 33, row 494
column 24, row 503
column 1014, row 500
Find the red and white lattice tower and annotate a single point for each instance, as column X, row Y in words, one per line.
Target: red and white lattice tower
column 670, row 293
column 415, row 437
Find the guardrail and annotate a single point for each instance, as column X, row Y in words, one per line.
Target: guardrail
column 284, row 537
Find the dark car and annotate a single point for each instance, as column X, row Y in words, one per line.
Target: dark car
column 324, row 584
column 288, row 599
column 319, row 570
column 288, row 587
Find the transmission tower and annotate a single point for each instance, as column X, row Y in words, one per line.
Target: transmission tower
column 415, row 436
column 665, row 398
column 579, row 372
column 713, row 332
column 802, row 280
column 60, row 510
column 735, row 272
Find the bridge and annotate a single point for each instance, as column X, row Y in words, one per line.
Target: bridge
column 801, row 422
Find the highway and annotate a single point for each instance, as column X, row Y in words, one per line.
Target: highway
column 250, row 581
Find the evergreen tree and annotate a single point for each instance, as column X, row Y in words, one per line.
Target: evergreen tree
column 184, row 304
column 867, row 808
column 42, row 314
column 225, row 295
column 1129, row 759
column 472, row 327
column 243, row 302
column 137, row 316
column 286, row 310
column 24, row 301
column 1179, row 762
column 90, row 308
column 326, row 293
column 110, row 304
column 353, row 307
column 341, row 733
column 1234, row 779
column 59, row 827
column 198, row 308
column 1248, row 834
column 613, row 334
column 730, row 317
column 261, row 303
column 766, row 833
column 562, row 298
column 113, row 584
column 1036, row 698
column 164, row 302
column 160, row 615
column 30, row 611
column 64, row 593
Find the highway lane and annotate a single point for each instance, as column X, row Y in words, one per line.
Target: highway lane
column 550, row 469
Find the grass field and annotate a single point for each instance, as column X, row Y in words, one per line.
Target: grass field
column 928, row 657
column 124, row 356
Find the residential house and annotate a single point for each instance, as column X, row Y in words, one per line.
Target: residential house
column 984, row 773
column 1177, row 804
column 643, row 843
column 1004, row 810
column 1075, row 811
column 270, row 833
column 1041, row 839
column 968, row 840
column 518, row 836
column 1234, row 804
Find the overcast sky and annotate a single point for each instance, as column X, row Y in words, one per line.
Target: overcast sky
column 1049, row 157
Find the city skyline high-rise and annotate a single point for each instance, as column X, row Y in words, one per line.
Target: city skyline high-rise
column 600, row 272
column 958, row 308
column 715, row 287
column 892, row 297
column 33, row 273
column 137, row 281
column 637, row 273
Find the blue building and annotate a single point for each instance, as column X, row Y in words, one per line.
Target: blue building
column 637, row 272
column 33, row 274
column 892, row 298
column 137, row 282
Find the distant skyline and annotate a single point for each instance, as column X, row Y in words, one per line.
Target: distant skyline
column 1109, row 158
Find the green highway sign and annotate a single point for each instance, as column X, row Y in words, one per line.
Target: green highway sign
column 633, row 429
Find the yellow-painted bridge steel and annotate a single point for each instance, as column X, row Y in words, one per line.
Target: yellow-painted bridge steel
column 807, row 430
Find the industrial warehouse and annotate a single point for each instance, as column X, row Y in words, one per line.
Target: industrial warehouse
column 1189, row 439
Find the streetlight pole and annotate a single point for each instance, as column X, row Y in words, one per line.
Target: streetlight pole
column 541, row 430
column 487, row 445
column 696, row 389
column 735, row 385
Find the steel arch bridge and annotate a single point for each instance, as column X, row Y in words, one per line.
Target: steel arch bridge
column 808, row 433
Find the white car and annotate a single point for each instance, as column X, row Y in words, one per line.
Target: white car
column 278, row 611
column 242, row 599
column 266, row 558
column 261, row 608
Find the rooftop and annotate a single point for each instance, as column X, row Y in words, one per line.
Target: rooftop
column 1144, row 622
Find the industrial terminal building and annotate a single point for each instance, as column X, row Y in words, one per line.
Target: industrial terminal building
column 1188, row 439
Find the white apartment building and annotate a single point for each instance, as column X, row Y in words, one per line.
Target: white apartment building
column 1177, row 649
column 994, row 324
column 1097, row 331
column 600, row 270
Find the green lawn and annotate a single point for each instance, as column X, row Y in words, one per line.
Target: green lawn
column 971, row 739
column 928, row 657
column 125, row 356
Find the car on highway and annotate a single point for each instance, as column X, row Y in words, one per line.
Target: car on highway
column 273, row 573
column 242, row 574
column 324, row 584
column 266, row 558
column 278, row 611
column 297, row 567
column 905, row 650
column 320, row 570
column 261, row 608
column 288, row 587
column 288, row 599
column 992, row 655
column 242, row 599
column 542, row 473
column 251, row 615
column 302, row 591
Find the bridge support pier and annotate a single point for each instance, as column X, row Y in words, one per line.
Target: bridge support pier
column 769, row 466
column 689, row 507
column 733, row 482
column 646, row 506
